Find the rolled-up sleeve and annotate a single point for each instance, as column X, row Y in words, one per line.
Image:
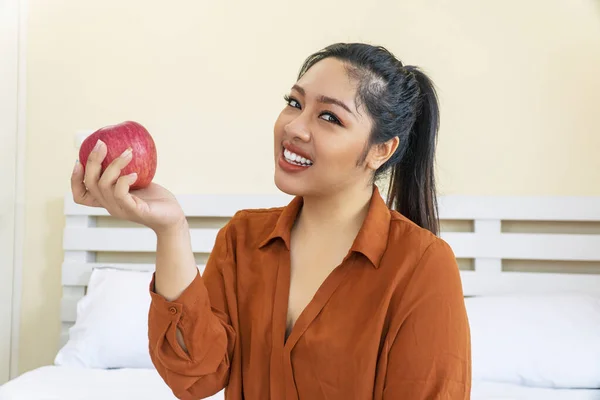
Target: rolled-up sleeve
column 202, row 315
column 430, row 355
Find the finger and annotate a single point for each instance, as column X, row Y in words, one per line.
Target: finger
column 93, row 170
column 80, row 193
column 109, row 177
column 122, row 196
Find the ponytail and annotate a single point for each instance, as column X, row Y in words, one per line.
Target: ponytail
column 412, row 183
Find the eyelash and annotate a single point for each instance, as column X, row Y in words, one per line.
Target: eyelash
column 334, row 120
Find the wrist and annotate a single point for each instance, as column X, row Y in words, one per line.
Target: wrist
column 175, row 230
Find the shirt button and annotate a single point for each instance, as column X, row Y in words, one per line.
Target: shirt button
column 173, row 310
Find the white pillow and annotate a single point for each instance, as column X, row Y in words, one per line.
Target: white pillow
column 111, row 329
column 545, row 341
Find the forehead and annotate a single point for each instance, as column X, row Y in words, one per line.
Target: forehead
column 329, row 77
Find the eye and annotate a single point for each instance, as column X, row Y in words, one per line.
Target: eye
column 292, row 102
column 329, row 117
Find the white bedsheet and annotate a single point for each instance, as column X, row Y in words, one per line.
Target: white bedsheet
column 63, row 383
column 501, row 391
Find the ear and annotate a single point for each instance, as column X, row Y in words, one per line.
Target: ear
column 380, row 153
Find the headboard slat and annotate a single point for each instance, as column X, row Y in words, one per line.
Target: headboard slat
column 520, row 208
column 523, row 246
column 465, row 244
column 455, row 207
column 205, row 205
column 129, row 239
column 78, row 274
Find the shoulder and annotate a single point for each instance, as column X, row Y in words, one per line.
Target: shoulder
column 254, row 218
column 407, row 237
column 429, row 259
column 252, row 225
column 429, row 281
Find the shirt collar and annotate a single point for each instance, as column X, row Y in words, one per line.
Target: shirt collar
column 372, row 237
column 283, row 226
column 371, row 240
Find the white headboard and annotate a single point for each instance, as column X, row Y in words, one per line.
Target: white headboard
column 504, row 244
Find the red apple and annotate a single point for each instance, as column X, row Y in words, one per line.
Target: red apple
column 117, row 139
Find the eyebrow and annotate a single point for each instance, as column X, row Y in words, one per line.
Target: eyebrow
column 325, row 99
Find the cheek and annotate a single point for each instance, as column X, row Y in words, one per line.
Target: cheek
column 341, row 154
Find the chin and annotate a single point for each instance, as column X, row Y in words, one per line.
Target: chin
column 297, row 187
column 288, row 185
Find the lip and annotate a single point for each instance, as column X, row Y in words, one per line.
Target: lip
column 297, row 150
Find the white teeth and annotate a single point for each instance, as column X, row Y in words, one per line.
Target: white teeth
column 295, row 158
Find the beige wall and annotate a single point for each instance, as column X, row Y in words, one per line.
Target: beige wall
column 518, row 81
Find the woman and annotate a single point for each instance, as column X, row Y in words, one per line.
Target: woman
column 334, row 296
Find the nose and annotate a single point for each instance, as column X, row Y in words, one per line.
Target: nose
column 297, row 129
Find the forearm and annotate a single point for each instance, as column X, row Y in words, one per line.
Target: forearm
column 175, row 264
column 189, row 330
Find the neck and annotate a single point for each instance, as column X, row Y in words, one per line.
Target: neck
column 342, row 211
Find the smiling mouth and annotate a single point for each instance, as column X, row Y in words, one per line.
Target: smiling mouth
column 296, row 159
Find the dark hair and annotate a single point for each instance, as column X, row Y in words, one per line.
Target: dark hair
column 402, row 102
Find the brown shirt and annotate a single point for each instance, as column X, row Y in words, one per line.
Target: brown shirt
column 388, row 323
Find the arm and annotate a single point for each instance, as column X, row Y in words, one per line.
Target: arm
column 430, row 355
column 189, row 328
column 175, row 266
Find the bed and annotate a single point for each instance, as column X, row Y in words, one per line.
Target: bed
column 531, row 276
column 67, row 383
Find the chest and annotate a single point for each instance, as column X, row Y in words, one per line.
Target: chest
column 323, row 336
column 311, row 263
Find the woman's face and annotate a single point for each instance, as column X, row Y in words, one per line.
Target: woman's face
column 320, row 135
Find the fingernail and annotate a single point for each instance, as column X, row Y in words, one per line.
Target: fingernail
column 98, row 144
column 133, row 177
column 76, row 166
column 127, row 153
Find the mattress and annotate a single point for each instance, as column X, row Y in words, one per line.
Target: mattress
column 64, row 383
